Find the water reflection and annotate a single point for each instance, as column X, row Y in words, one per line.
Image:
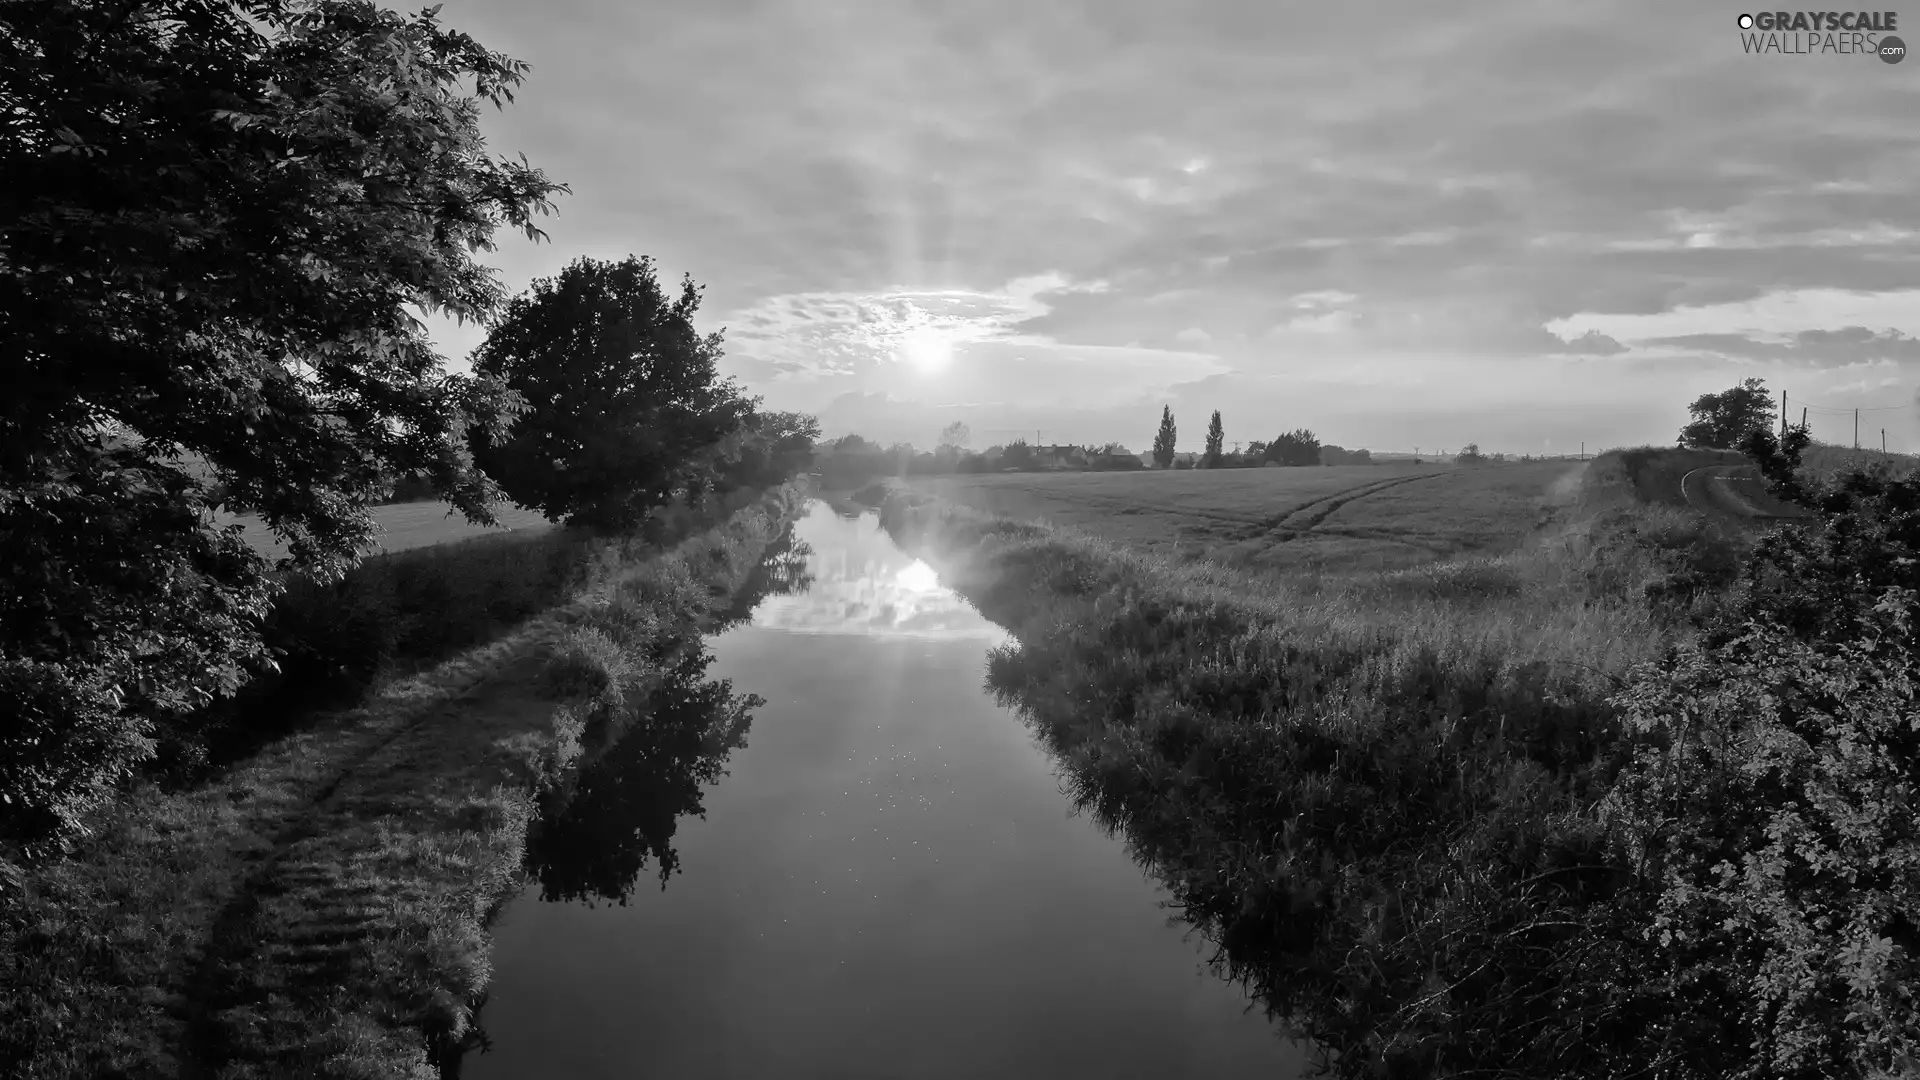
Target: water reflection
column 887, row 884
column 594, row 839
column 868, row 586
column 628, row 802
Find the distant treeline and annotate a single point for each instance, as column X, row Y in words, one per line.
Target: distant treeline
column 851, row 458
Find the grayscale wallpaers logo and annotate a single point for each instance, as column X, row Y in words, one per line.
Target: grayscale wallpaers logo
column 1838, row 33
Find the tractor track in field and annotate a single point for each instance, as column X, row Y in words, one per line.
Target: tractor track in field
column 1123, row 504
column 1284, row 528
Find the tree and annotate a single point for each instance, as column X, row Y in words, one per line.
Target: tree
column 1721, row 421
column 1297, row 447
column 1215, row 436
column 622, row 394
column 215, row 221
column 1163, row 440
column 767, row 449
column 955, row 435
column 1469, row 454
column 1018, row 455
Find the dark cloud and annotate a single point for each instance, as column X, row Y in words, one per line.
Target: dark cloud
column 1822, row 348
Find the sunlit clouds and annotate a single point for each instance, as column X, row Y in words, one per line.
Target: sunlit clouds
column 1381, row 221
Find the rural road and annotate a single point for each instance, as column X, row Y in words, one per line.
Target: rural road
column 1738, row 490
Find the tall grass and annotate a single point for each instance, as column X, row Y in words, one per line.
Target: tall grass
column 1374, row 793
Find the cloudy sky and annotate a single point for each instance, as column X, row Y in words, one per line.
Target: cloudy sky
column 1521, row 224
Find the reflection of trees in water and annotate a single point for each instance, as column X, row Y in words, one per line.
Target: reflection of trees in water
column 782, row 571
column 626, row 805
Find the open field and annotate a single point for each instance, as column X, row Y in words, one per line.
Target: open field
column 1339, row 518
column 405, row 525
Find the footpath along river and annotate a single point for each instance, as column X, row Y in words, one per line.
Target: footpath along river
column 887, row 880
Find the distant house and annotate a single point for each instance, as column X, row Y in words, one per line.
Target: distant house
column 1060, row 457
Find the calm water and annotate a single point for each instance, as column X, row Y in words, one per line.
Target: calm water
column 886, row 882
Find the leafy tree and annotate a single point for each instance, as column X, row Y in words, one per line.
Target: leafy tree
column 1297, row 447
column 1215, row 437
column 1469, row 454
column 767, row 449
column 1779, row 460
column 955, row 435
column 1018, row 455
column 215, row 221
column 1163, row 440
column 1256, row 451
column 1722, row 421
column 622, row 394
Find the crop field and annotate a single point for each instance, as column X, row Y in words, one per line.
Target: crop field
column 406, row 525
column 1361, row 517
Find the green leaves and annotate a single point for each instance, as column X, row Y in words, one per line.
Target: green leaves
column 622, row 396
column 1772, row 802
column 191, row 203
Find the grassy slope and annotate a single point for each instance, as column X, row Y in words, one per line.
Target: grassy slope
column 320, row 911
column 1434, row 730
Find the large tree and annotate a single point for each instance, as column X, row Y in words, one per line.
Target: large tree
column 1163, row 440
column 1722, row 421
column 215, row 222
column 622, row 394
column 1216, row 436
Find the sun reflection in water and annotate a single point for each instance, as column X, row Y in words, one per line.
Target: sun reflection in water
column 863, row 584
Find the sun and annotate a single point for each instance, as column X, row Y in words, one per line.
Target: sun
column 918, row 578
column 926, row 348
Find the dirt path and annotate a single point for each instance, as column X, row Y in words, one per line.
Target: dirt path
column 1735, row 491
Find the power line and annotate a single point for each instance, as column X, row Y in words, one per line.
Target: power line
column 1849, row 409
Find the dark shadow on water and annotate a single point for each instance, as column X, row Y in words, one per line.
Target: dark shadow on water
column 626, row 805
column 592, row 844
column 596, row 836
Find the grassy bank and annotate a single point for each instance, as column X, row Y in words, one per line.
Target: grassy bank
column 1375, row 793
column 319, row 909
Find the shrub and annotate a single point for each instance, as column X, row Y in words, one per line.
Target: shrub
column 1771, row 802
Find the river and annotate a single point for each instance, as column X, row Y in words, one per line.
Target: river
column 872, row 873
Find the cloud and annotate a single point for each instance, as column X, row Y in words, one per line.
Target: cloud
column 1824, row 348
column 1593, row 343
column 1510, row 180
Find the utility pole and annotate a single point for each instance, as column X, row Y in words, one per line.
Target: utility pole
column 1856, row 429
column 1583, row 449
column 1883, row 440
column 1783, row 414
column 1803, row 416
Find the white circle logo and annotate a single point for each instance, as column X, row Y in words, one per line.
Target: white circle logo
column 1746, row 22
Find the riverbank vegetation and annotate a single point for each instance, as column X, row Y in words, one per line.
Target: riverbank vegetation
column 257, row 799
column 319, row 908
column 1632, row 800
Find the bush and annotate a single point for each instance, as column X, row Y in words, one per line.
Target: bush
column 1771, row 802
